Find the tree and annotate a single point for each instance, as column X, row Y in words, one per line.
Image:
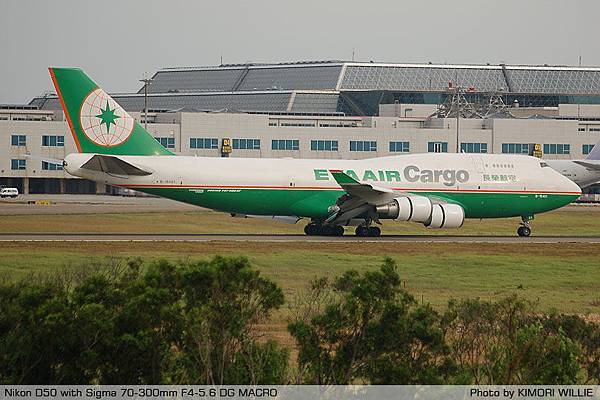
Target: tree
column 169, row 323
column 585, row 334
column 505, row 342
column 374, row 331
column 224, row 301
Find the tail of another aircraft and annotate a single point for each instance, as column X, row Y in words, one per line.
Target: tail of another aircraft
column 97, row 122
column 595, row 153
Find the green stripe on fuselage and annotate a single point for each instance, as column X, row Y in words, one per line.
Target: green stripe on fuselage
column 315, row 203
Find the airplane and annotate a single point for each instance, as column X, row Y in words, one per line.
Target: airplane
column 584, row 172
column 438, row 190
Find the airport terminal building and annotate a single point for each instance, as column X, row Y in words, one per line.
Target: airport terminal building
column 334, row 109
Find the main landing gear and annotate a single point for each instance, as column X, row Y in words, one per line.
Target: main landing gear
column 315, row 229
column 524, row 229
column 368, row 231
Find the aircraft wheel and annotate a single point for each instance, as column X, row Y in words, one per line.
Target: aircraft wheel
column 328, row 230
column 308, row 230
column 374, row 231
column 339, row 230
column 311, row 229
column 524, row 231
column 362, row 231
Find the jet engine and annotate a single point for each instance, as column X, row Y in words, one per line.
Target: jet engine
column 408, row 208
column 446, row 216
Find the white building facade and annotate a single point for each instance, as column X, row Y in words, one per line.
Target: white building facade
column 33, row 142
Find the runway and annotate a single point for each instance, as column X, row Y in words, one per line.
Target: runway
column 141, row 237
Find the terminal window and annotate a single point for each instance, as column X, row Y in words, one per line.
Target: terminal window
column 473, row 147
column 363, row 145
column 204, row 143
column 53, row 140
column 285, row 144
column 401, row 147
column 17, row 164
column 517, row 148
column 587, row 148
column 18, row 140
column 437, row 147
column 324, row 145
column 48, row 166
column 166, row 142
column 557, row 148
column 246, row 144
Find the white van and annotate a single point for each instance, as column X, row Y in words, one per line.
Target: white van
column 9, row 192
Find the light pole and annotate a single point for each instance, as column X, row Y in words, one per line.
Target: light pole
column 459, row 93
column 146, row 82
column 457, row 131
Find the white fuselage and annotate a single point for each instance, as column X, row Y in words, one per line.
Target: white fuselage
column 580, row 174
column 430, row 172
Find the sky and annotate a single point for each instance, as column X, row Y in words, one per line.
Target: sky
column 119, row 42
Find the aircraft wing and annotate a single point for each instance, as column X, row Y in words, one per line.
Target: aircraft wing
column 371, row 193
column 113, row 165
column 589, row 164
column 359, row 197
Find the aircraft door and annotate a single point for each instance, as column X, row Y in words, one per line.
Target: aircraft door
column 478, row 170
column 477, row 180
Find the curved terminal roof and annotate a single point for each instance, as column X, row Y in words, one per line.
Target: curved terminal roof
column 354, row 88
column 361, row 76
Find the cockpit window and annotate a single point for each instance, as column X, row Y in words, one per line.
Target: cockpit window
column 543, row 164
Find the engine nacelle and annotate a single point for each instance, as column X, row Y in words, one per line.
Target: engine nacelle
column 408, row 208
column 446, row 216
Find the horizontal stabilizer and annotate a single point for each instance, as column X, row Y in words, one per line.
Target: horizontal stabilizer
column 594, row 154
column 113, row 165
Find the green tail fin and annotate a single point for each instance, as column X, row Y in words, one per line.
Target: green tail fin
column 97, row 122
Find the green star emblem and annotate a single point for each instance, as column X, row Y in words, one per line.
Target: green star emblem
column 108, row 116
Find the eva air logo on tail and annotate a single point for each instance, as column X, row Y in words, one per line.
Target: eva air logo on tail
column 103, row 121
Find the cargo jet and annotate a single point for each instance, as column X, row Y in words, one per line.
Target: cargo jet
column 436, row 190
column 584, row 172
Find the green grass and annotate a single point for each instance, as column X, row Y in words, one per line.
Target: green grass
column 561, row 277
column 565, row 277
column 580, row 221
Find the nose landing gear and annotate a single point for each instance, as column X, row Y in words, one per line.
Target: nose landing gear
column 524, row 229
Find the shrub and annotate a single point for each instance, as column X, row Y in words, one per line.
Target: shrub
column 172, row 323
